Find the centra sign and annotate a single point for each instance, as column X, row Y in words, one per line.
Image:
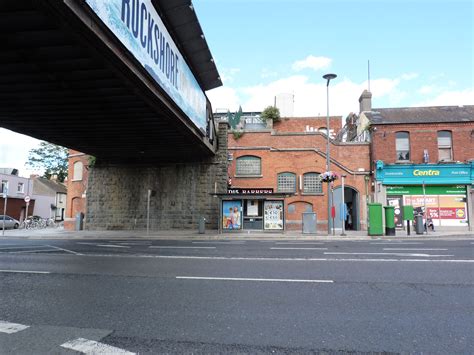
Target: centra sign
column 418, row 172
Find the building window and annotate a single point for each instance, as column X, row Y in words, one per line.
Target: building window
column 445, row 151
column 4, row 187
column 249, row 166
column 286, row 182
column 77, row 172
column 312, row 184
column 21, row 188
column 403, row 146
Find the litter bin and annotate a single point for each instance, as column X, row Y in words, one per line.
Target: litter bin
column 79, row 221
column 389, row 220
column 419, row 227
column 375, row 219
column 202, row 225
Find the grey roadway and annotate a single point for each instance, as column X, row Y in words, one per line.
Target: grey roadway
column 271, row 296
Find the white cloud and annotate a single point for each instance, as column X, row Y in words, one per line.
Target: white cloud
column 309, row 97
column 427, row 89
column 312, row 62
column 228, row 74
column 223, row 98
column 267, row 73
column 409, row 76
column 450, row 98
column 14, row 149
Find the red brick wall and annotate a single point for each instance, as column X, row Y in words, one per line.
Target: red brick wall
column 298, row 124
column 76, row 189
column 423, row 136
column 302, row 158
column 16, row 208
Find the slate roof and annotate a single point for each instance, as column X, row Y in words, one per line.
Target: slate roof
column 54, row 186
column 433, row 114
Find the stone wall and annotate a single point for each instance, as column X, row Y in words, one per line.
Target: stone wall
column 117, row 195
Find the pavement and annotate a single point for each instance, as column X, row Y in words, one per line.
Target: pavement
column 60, row 233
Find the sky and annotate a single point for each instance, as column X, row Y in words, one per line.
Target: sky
column 420, row 51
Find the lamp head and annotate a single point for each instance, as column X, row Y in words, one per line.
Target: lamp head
column 329, row 77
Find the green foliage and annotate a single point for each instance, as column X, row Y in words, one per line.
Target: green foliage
column 234, row 119
column 51, row 158
column 272, row 113
column 237, row 134
column 92, row 160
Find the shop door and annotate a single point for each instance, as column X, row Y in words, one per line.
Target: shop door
column 397, row 203
column 253, row 214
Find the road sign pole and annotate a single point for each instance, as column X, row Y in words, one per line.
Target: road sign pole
column 27, row 200
column 5, row 196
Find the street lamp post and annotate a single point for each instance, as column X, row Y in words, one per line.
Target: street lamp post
column 328, row 77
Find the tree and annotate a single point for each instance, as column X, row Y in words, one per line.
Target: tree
column 272, row 113
column 51, row 158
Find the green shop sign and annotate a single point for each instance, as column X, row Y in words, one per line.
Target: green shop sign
column 430, row 174
column 429, row 190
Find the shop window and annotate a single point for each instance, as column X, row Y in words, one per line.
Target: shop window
column 77, row 172
column 249, row 166
column 403, row 146
column 286, row 182
column 445, row 151
column 312, row 184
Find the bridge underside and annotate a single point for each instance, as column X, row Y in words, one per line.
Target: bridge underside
column 61, row 82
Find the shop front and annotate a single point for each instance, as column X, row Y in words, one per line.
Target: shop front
column 441, row 190
column 252, row 210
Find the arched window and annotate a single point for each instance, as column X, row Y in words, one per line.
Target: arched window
column 312, row 183
column 248, row 166
column 402, row 145
column 286, row 182
column 445, row 148
column 77, row 171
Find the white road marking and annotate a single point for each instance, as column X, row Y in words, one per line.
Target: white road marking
column 66, row 250
column 25, row 272
column 176, row 247
column 396, row 243
column 229, row 242
column 138, row 243
column 414, row 249
column 10, row 328
column 86, row 346
column 112, row 246
column 394, row 254
column 290, row 248
column 82, row 243
column 250, row 279
column 273, row 259
column 298, row 243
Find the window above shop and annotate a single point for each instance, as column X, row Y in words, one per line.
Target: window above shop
column 286, row 182
column 402, row 145
column 248, row 166
column 445, row 151
column 312, row 183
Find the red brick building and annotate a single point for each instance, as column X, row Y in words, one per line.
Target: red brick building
column 422, row 156
column 78, row 174
column 275, row 170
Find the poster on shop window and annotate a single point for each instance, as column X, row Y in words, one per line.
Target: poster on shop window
column 273, row 215
column 231, row 215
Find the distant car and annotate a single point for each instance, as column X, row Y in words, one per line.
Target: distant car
column 9, row 222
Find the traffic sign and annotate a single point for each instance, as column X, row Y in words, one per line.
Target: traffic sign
column 27, row 198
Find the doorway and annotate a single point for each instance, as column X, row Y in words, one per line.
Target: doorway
column 351, row 200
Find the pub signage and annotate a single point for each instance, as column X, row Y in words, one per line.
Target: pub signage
column 250, row 191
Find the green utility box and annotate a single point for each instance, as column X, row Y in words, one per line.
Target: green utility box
column 408, row 213
column 389, row 220
column 375, row 219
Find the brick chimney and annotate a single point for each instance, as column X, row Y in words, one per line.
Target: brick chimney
column 365, row 101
